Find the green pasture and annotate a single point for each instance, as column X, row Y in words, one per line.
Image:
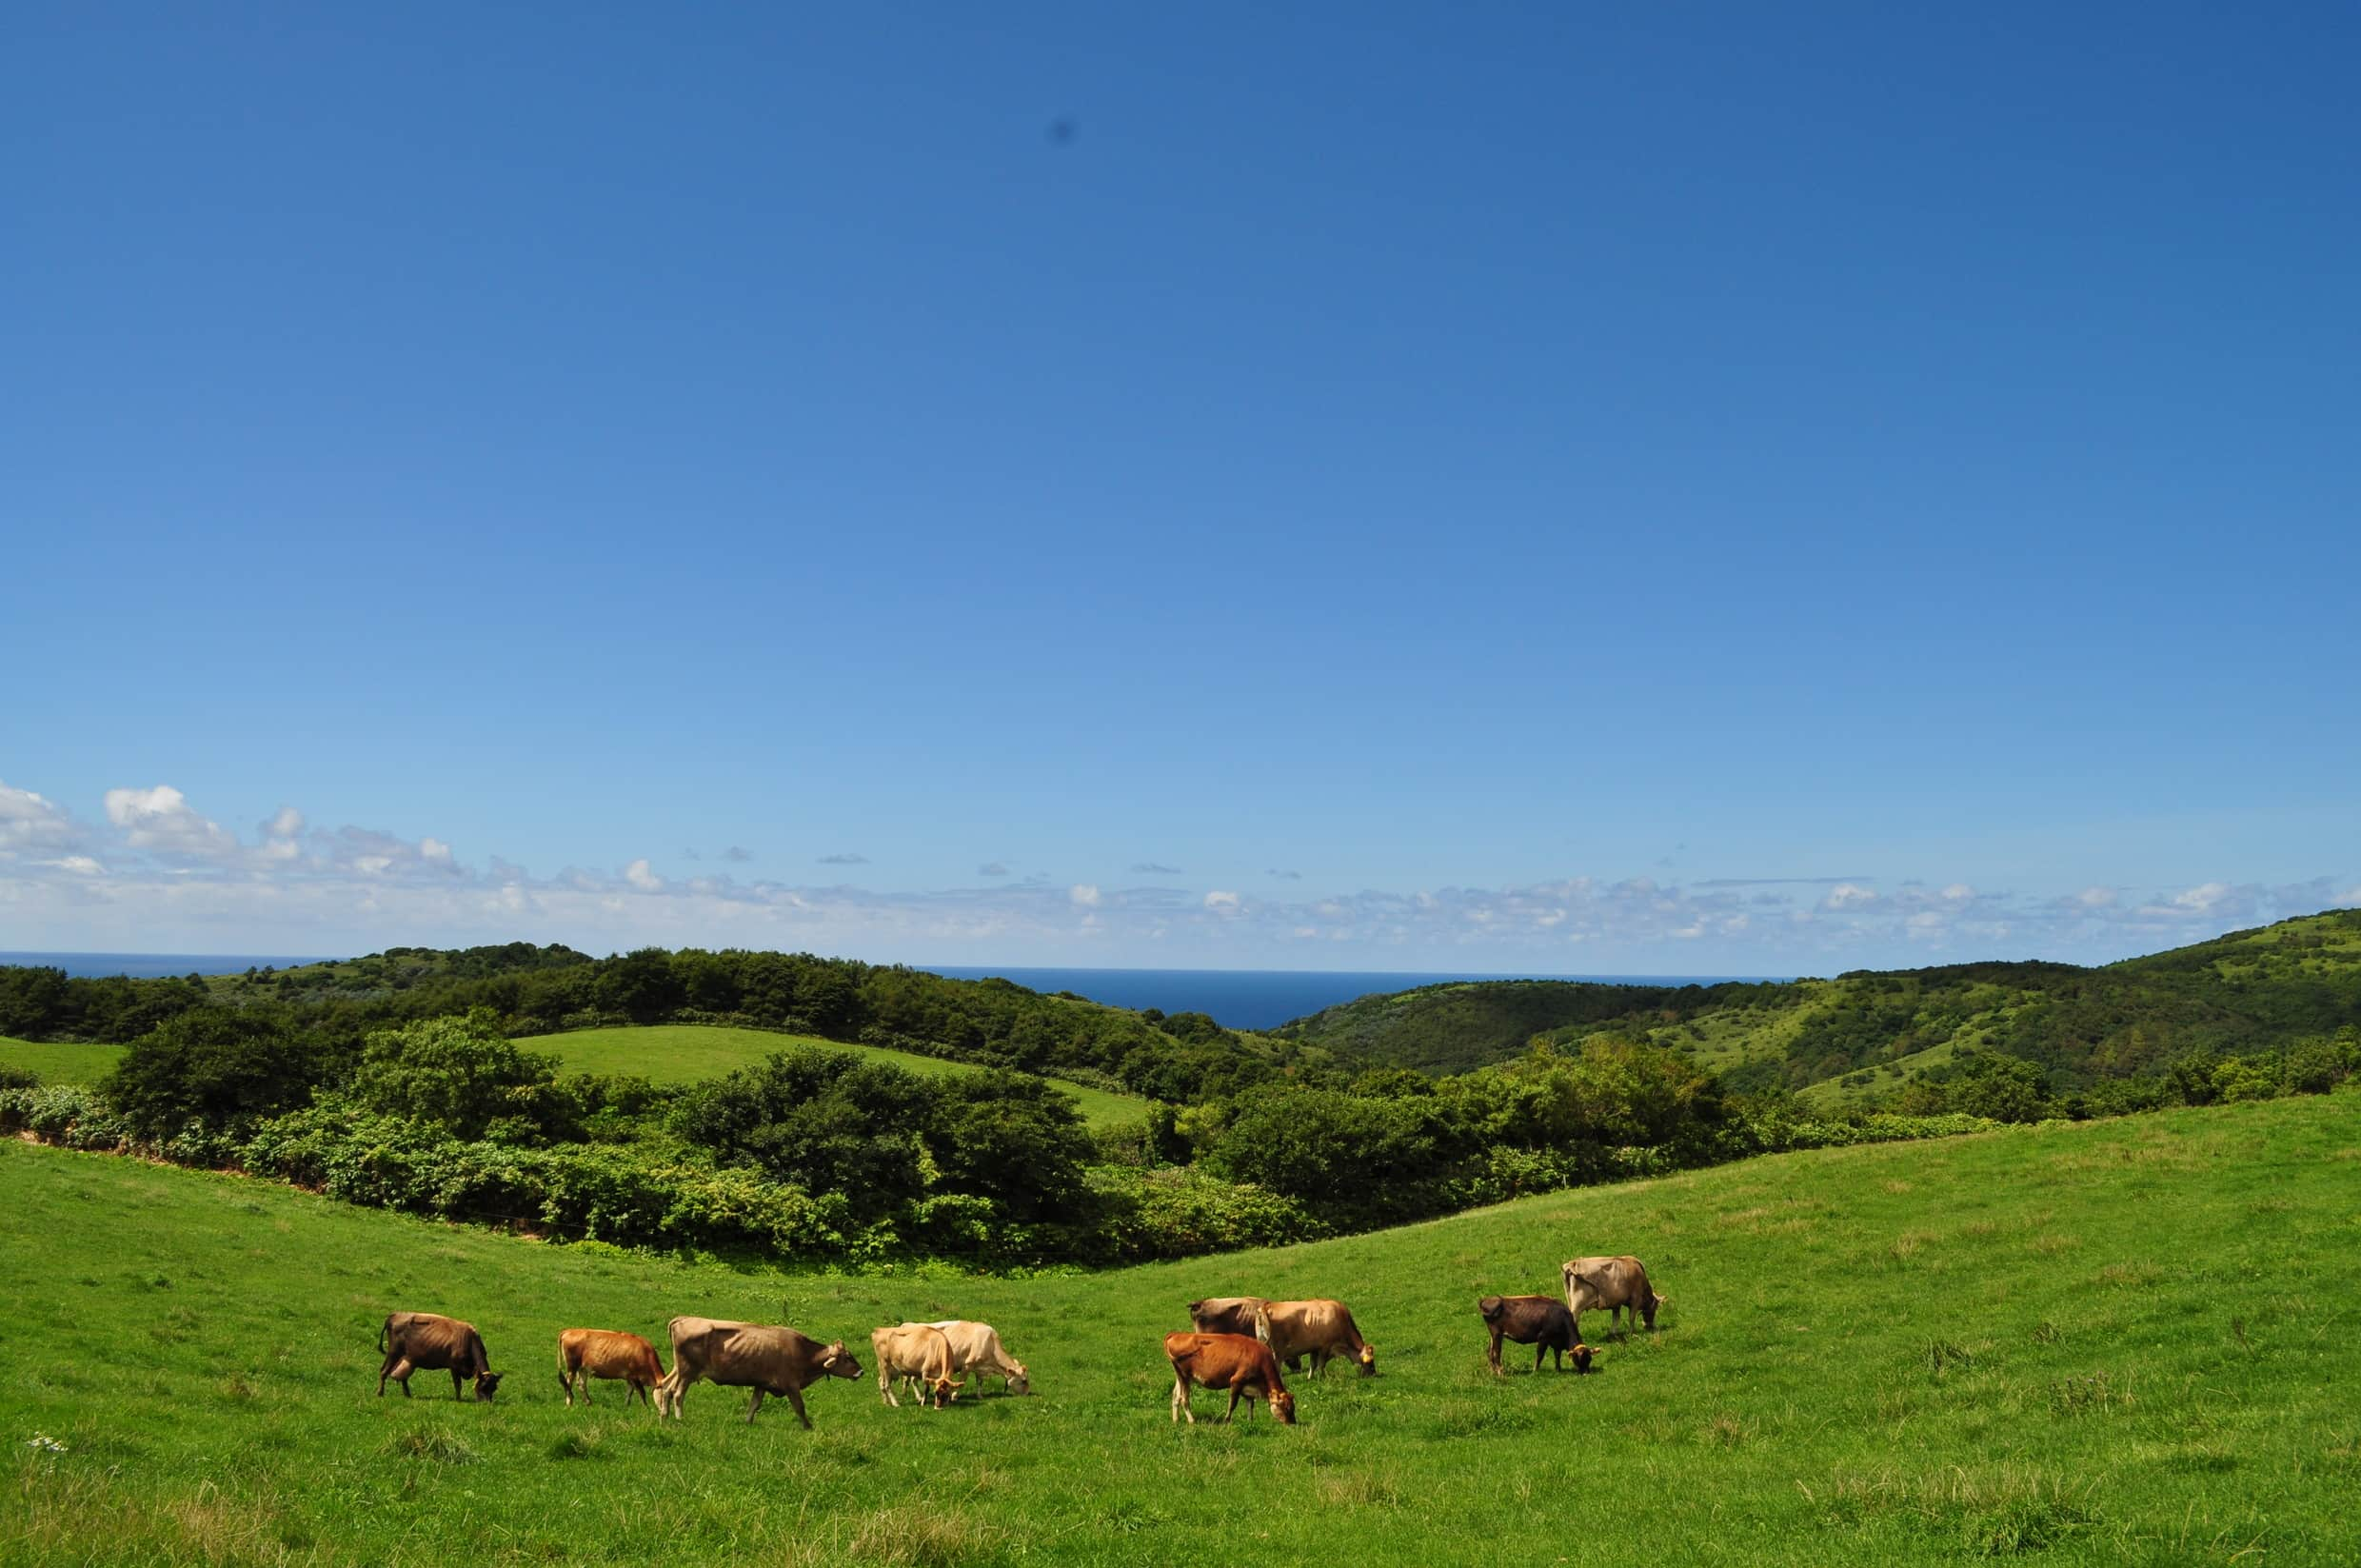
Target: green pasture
column 684, row 1053
column 59, row 1063
column 2115, row 1343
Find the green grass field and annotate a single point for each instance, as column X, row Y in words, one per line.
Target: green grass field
column 2118, row 1343
column 684, row 1053
column 59, row 1064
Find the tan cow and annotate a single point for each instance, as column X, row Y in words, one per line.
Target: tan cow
column 588, row 1353
column 1619, row 1284
column 1320, row 1329
column 769, row 1360
column 976, row 1348
column 1226, row 1314
column 917, row 1354
column 414, row 1341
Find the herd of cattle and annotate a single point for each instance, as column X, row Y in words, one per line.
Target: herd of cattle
column 1236, row 1344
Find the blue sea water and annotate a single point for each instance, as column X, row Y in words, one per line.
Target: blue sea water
column 1240, row 998
column 1259, row 999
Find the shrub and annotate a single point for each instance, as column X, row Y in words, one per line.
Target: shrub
column 220, row 1067
column 462, row 1075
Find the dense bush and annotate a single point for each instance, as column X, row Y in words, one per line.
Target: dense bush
column 217, row 1068
column 1176, row 1213
column 462, row 1075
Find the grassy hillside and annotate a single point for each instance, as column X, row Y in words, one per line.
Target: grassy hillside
column 684, row 1053
column 2113, row 1342
column 1868, row 1031
column 65, row 1063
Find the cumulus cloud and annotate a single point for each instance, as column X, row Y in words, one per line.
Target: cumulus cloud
column 638, row 876
column 161, row 820
column 1849, row 895
column 1084, row 894
column 81, row 866
column 1149, row 868
column 1958, row 892
column 1220, row 899
column 30, row 823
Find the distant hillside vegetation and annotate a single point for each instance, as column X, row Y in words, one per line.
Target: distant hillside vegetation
column 1868, row 1032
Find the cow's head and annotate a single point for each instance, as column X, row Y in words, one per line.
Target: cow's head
column 838, row 1362
column 945, row 1390
column 487, row 1384
column 1582, row 1357
column 1021, row 1382
column 1489, row 1308
column 1368, row 1359
column 1283, row 1406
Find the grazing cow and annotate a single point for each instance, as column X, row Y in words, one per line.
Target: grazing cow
column 1245, row 1366
column 778, row 1361
column 976, row 1348
column 1226, row 1314
column 427, row 1341
column 588, row 1353
column 1319, row 1329
column 919, row 1354
column 1541, row 1322
column 1619, row 1284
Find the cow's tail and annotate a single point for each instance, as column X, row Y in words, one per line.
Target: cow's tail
column 1262, row 1321
column 384, row 1329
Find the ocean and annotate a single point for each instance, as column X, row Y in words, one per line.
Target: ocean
column 1239, row 999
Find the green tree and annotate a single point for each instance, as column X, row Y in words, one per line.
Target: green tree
column 463, row 1074
column 220, row 1066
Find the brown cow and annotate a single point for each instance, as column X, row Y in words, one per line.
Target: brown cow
column 588, row 1353
column 1225, row 1313
column 1245, row 1366
column 1319, row 1329
column 976, row 1347
column 1619, row 1284
column 919, row 1354
column 1541, row 1322
column 415, row 1342
column 774, row 1360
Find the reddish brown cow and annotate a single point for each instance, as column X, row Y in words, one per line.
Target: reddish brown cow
column 588, row 1353
column 1245, row 1366
column 1541, row 1322
column 414, row 1341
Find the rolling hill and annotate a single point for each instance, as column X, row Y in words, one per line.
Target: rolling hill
column 684, row 1053
column 2120, row 1343
column 1869, row 1031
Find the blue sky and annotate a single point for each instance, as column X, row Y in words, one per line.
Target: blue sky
column 1730, row 490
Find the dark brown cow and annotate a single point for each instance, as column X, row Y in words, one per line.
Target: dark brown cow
column 427, row 1341
column 1619, row 1284
column 1320, row 1329
column 1245, row 1366
column 774, row 1360
column 588, row 1353
column 1226, row 1314
column 1541, row 1322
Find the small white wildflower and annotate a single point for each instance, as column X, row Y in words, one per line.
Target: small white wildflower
column 42, row 1443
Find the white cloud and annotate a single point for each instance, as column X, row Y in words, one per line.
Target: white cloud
column 638, row 876
column 28, row 822
column 161, row 820
column 1219, row 900
column 2095, row 898
column 2201, row 897
column 286, row 822
column 1849, row 895
column 435, row 852
column 81, row 866
column 1084, row 894
column 1958, row 892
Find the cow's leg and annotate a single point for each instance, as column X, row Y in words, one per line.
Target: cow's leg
column 459, row 1384
column 885, row 1385
column 754, row 1404
column 795, row 1397
column 1231, row 1414
column 386, row 1371
column 1180, row 1397
column 1493, row 1354
column 400, row 1372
